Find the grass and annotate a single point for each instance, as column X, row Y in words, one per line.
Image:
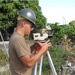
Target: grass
column 3, row 58
column 5, row 73
column 3, row 62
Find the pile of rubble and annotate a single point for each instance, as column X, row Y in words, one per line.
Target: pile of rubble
column 68, row 68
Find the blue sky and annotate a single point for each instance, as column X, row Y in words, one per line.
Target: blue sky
column 62, row 11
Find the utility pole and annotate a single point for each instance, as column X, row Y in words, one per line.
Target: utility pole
column 64, row 20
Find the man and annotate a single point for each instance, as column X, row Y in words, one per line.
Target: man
column 20, row 57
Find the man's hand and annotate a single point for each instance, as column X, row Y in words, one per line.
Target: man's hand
column 47, row 42
column 38, row 45
column 44, row 45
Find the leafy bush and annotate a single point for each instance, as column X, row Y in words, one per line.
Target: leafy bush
column 58, row 56
column 3, row 58
column 6, row 73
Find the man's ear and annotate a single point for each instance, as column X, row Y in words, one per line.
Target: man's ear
column 23, row 24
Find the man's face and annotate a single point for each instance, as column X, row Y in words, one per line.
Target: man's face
column 28, row 28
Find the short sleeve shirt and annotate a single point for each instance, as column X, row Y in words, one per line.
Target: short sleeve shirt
column 17, row 48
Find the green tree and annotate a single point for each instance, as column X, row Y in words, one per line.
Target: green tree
column 72, row 23
column 9, row 9
column 70, row 30
column 59, row 31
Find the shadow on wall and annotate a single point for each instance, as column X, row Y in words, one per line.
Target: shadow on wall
column 6, row 33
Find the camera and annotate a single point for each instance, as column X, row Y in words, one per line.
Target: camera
column 41, row 36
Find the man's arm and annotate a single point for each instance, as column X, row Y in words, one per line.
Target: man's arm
column 30, row 60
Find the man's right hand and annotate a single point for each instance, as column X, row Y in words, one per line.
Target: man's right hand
column 45, row 45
